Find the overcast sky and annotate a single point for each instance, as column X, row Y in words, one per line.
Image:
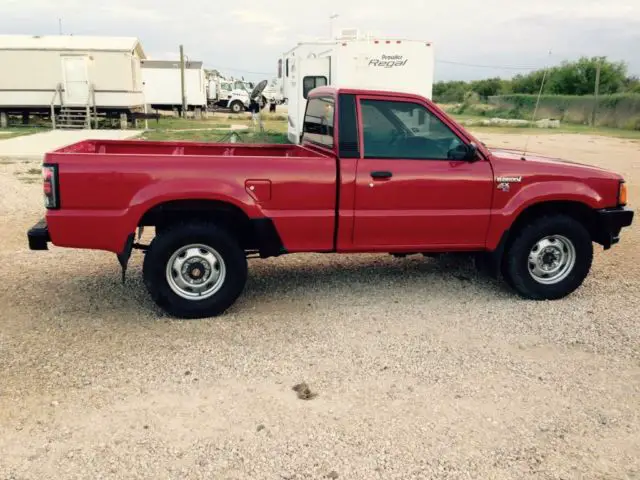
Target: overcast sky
column 248, row 36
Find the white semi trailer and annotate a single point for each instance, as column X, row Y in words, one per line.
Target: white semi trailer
column 163, row 88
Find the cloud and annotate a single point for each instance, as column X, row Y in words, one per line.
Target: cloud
column 244, row 35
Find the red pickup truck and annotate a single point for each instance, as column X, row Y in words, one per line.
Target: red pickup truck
column 375, row 172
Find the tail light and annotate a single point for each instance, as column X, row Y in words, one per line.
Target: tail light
column 50, row 186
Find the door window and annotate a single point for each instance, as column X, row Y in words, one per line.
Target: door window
column 309, row 83
column 405, row 130
column 318, row 121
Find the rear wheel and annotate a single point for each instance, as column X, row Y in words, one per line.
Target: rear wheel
column 549, row 258
column 194, row 270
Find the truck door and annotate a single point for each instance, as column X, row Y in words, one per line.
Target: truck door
column 306, row 74
column 409, row 193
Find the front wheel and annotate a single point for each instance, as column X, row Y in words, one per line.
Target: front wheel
column 237, row 107
column 549, row 258
column 194, row 270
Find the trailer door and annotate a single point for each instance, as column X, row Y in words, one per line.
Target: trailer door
column 307, row 74
column 76, row 79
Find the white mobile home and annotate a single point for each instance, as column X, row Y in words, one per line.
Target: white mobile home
column 352, row 60
column 162, row 84
column 43, row 71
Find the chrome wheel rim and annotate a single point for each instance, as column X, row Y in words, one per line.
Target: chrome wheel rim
column 195, row 272
column 551, row 259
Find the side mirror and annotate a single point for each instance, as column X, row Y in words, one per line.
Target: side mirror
column 472, row 152
column 464, row 152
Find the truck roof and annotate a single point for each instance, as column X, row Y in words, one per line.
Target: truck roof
column 333, row 90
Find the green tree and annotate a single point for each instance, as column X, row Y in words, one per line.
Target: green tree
column 632, row 85
column 579, row 77
column 488, row 87
column 529, row 83
column 450, row 92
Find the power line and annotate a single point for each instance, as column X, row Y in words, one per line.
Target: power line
column 498, row 67
column 448, row 62
column 243, row 71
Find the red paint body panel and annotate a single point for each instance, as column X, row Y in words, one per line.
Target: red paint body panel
column 104, row 195
column 427, row 205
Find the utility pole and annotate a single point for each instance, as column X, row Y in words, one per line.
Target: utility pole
column 184, row 96
column 59, row 25
column 596, row 90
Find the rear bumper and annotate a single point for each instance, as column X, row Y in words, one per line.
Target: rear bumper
column 38, row 236
column 612, row 221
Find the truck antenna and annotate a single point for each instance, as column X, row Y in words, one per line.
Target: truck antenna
column 535, row 110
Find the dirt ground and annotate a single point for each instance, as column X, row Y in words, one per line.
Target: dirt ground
column 415, row 368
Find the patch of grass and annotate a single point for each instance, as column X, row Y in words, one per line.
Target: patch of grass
column 215, row 136
column 275, row 131
column 174, row 123
column 564, row 128
column 13, row 132
column 185, row 135
column 34, row 171
column 6, row 161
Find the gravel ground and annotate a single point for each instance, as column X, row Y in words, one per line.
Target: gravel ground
column 417, row 368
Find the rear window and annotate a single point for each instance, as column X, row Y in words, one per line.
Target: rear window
column 318, row 121
column 309, row 83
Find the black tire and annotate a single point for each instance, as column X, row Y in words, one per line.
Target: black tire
column 236, row 107
column 169, row 241
column 517, row 265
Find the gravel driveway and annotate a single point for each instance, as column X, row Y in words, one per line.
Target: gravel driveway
column 421, row 367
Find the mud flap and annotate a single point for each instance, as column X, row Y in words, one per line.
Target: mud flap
column 123, row 257
column 490, row 263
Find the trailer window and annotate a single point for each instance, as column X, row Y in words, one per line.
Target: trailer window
column 318, row 121
column 404, row 130
column 309, row 83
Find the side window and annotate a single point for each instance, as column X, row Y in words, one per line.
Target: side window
column 405, row 130
column 287, row 68
column 309, row 83
column 318, row 121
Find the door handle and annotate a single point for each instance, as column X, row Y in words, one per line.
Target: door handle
column 381, row 174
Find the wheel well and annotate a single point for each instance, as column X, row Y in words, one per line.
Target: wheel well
column 228, row 216
column 576, row 210
column 584, row 214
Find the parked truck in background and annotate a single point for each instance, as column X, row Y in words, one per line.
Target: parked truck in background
column 375, row 172
column 240, row 100
column 219, row 91
column 356, row 61
column 230, row 93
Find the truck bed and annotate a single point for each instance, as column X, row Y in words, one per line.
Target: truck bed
column 106, row 187
column 142, row 147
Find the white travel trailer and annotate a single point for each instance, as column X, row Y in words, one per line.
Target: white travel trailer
column 40, row 72
column 352, row 60
column 163, row 87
